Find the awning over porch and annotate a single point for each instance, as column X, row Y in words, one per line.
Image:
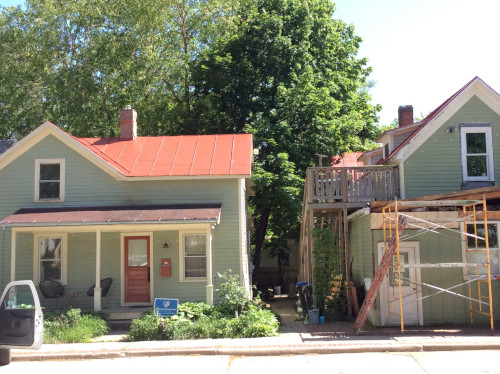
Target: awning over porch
column 113, row 215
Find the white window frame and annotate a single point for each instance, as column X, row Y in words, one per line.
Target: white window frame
column 182, row 272
column 486, row 129
column 494, row 269
column 36, row 255
column 62, row 178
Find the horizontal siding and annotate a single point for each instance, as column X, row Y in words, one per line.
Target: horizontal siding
column 436, row 166
column 87, row 185
column 360, row 249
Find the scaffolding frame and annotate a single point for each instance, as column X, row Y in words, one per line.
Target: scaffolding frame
column 471, row 210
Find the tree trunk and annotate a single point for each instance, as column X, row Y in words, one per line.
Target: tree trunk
column 260, row 235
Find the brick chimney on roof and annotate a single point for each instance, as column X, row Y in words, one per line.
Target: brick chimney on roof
column 405, row 115
column 128, row 123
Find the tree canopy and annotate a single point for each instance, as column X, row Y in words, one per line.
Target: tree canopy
column 286, row 71
column 290, row 75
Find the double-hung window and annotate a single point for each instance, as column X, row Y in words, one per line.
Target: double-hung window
column 49, row 180
column 50, row 257
column 476, row 247
column 193, row 256
column 477, row 153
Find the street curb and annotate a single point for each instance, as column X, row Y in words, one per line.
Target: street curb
column 255, row 351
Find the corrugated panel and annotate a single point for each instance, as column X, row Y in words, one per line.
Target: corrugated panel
column 242, row 152
column 166, row 155
column 147, row 156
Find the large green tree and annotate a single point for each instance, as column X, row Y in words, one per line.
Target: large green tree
column 291, row 76
column 76, row 63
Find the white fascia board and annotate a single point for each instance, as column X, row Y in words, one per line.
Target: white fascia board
column 477, row 88
column 48, row 128
column 42, row 132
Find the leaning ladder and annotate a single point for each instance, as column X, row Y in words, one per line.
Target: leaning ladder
column 385, row 263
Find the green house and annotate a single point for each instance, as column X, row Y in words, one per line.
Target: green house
column 159, row 216
column 451, row 155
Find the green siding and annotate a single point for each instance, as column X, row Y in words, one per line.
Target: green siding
column 435, row 167
column 445, row 308
column 360, row 244
column 87, row 185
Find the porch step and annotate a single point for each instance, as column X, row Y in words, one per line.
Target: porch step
column 120, row 318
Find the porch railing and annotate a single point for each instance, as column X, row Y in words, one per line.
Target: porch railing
column 353, row 184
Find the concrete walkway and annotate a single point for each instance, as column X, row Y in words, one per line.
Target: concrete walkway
column 295, row 338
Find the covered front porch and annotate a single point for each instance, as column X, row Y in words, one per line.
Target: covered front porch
column 147, row 251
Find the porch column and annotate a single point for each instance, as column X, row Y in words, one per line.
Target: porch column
column 13, row 255
column 97, row 289
column 210, row 286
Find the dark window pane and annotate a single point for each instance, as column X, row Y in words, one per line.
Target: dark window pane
column 195, row 244
column 20, row 297
column 476, row 142
column 492, row 236
column 476, row 166
column 195, row 267
column 50, row 172
column 49, row 190
column 50, row 270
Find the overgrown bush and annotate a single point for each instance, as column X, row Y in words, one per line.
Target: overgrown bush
column 73, row 326
column 233, row 317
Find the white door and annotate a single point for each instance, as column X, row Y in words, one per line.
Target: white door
column 410, row 287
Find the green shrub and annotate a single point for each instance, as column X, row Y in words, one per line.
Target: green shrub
column 234, row 317
column 73, row 326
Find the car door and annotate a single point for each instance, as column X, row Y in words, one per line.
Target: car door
column 21, row 318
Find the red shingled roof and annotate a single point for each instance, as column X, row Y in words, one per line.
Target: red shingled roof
column 187, row 155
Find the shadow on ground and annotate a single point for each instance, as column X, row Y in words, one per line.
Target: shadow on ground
column 333, row 330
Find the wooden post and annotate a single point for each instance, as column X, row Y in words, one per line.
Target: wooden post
column 347, row 264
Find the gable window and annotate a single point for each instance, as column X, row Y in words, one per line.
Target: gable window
column 193, row 256
column 477, row 153
column 477, row 255
column 50, row 257
column 386, row 151
column 49, row 180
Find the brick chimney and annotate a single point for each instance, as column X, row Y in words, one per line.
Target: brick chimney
column 405, row 115
column 128, row 123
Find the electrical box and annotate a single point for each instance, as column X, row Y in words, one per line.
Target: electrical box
column 166, row 265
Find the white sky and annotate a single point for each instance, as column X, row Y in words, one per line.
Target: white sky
column 421, row 51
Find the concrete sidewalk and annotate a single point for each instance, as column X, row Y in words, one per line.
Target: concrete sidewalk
column 295, row 338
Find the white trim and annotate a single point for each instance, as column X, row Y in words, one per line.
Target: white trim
column 64, row 254
column 62, row 178
column 48, row 128
column 182, row 233
column 383, row 289
column 476, row 88
column 13, row 255
column 402, row 187
column 97, row 287
column 210, row 287
column 240, row 246
column 486, row 129
column 122, row 266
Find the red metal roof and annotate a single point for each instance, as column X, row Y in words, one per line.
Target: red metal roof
column 187, row 155
column 114, row 215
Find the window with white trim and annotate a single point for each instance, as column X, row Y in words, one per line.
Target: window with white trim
column 49, row 180
column 477, row 153
column 50, row 257
column 476, row 246
column 194, row 256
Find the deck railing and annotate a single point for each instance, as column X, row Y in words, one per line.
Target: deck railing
column 353, row 184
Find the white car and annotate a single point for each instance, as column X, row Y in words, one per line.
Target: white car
column 21, row 319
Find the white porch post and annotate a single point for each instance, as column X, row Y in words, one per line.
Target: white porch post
column 210, row 286
column 13, row 256
column 97, row 289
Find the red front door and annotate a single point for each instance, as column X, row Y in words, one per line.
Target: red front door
column 137, row 273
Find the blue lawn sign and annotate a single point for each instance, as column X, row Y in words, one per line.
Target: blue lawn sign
column 166, row 307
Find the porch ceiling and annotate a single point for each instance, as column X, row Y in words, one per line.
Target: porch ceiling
column 110, row 215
